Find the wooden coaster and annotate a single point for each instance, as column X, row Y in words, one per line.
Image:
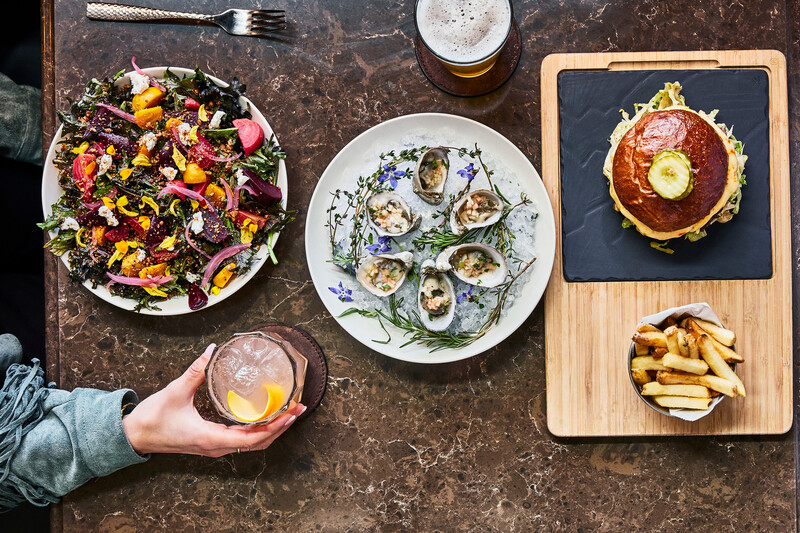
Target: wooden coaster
column 317, row 370
column 438, row 74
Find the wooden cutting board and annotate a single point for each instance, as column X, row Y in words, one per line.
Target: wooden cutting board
column 588, row 325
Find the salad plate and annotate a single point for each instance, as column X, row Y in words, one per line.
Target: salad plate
column 178, row 304
column 338, row 286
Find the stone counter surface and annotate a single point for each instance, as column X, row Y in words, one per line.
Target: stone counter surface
column 396, row 446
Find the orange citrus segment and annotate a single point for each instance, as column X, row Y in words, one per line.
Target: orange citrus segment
column 271, row 396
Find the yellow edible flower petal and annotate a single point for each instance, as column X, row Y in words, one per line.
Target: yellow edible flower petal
column 156, row 292
column 195, row 204
column 117, row 255
column 193, row 134
column 125, row 173
column 180, row 161
column 202, row 114
column 141, row 160
column 111, row 150
column 167, row 243
column 132, row 244
column 81, row 149
column 215, row 290
column 146, row 200
column 253, row 227
column 78, row 238
column 246, row 236
column 172, row 206
column 144, row 221
column 109, row 203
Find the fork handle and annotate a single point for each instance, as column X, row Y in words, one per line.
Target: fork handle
column 125, row 13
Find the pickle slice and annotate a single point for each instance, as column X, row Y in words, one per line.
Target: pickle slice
column 670, row 174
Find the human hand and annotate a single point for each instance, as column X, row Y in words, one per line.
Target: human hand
column 168, row 422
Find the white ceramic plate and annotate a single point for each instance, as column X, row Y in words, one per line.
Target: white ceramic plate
column 178, row 305
column 365, row 149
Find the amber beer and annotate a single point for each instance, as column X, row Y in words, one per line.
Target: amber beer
column 467, row 36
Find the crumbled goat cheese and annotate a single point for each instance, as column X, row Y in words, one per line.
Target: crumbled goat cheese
column 241, row 177
column 169, row 172
column 184, row 131
column 106, row 213
column 197, row 223
column 70, row 223
column 105, row 164
column 139, row 83
column 191, row 277
column 216, row 119
column 148, row 140
column 141, row 255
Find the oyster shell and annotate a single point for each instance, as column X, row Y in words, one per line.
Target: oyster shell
column 383, row 274
column 431, row 175
column 390, row 215
column 436, row 298
column 474, row 263
column 477, row 209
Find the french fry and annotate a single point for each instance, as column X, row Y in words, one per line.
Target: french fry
column 717, row 364
column 682, row 402
column 672, row 340
column 644, row 328
column 727, row 353
column 655, row 388
column 720, row 334
column 677, row 362
column 658, row 353
column 640, row 376
column 641, row 349
column 694, row 351
column 646, row 362
column 726, row 387
column 651, row 338
column 683, row 344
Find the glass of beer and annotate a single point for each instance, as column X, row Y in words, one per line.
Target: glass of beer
column 252, row 377
column 467, row 36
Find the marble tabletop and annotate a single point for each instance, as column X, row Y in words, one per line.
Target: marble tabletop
column 396, row 446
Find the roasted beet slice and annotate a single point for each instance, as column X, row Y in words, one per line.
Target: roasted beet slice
column 214, row 229
column 159, row 230
column 202, row 153
column 250, row 133
column 265, row 192
column 120, row 233
column 162, row 256
column 165, row 154
column 136, row 227
column 197, row 298
column 92, row 218
column 120, row 143
column 184, row 115
column 99, row 122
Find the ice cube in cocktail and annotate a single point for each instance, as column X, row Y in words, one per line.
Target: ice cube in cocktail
column 253, row 377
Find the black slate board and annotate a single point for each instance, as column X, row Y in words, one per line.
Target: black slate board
column 595, row 245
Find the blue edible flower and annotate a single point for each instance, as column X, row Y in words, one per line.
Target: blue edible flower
column 465, row 296
column 382, row 246
column 468, row 172
column 342, row 293
column 391, row 174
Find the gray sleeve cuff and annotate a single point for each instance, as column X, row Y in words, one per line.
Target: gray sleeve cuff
column 20, row 122
column 101, row 437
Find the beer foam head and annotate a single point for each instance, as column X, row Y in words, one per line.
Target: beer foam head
column 463, row 30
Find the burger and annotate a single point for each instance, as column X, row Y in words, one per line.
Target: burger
column 673, row 171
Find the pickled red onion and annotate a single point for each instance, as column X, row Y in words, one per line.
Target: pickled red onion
column 117, row 111
column 192, row 244
column 140, row 282
column 218, row 258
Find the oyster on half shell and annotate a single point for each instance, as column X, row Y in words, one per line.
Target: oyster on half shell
column 436, row 298
column 474, row 263
column 431, row 175
column 390, row 215
column 477, row 209
column 383, row 274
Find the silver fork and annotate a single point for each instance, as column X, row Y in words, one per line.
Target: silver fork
column 256, row 23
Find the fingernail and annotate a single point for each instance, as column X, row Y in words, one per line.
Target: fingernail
column 292, row 419
column 303, row 411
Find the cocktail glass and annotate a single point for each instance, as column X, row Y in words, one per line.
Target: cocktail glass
column 253, row 377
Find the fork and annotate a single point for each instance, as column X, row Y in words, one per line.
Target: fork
column 255, row 23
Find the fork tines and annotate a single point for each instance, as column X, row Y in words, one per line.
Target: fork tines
column 268, row 20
